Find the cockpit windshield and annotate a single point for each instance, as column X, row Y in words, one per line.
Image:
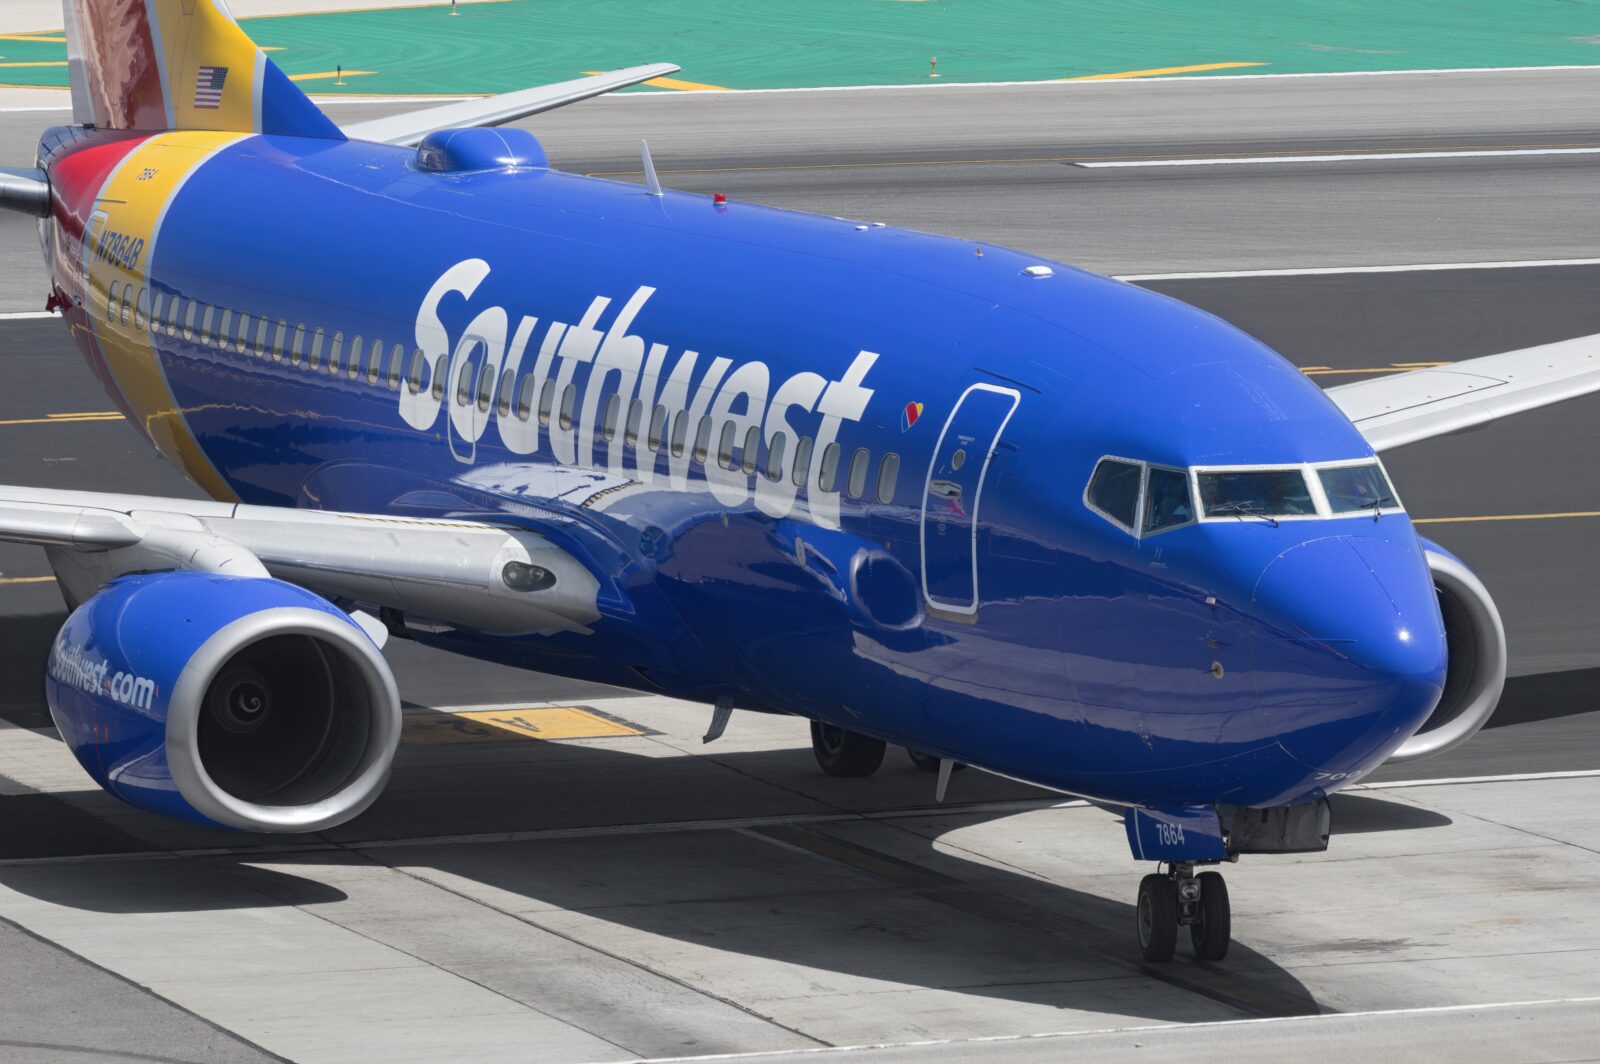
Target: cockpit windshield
column 1256, row 493
column 1357, row 487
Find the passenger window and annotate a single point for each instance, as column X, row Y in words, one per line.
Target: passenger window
column 1166, row 500
column 297, row 347
column 418, row 361
column 1114, row 490
column 157, row 301
column 241, row 338
column 224, row 334
column 263, row 327
column 569, row 400
column 858, row 472
column 353, row 368
column 280, row 341
column 189, row 316
column 775, row 451
column 464, row 383
column 635, row 417
column 319, row 340
column 374, row 361
column 524, row 398
column 547, row 401
column 702, row 441
column 138, row 308
column 802, row 461
column 888, row 474
column 111, row 301
column 485, row 388
column 680, row 433
column 658, row 427
column 441, row 373
column 828, row 472
column 127, row 300
column 336, row 353
column 725, row 445
column 507, row 379
column 397, row 361
column 752, row 444
column 608, row 424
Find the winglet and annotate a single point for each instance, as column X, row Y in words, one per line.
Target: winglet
column 409, row 128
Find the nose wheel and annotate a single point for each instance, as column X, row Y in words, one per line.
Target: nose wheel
column 1178, row 898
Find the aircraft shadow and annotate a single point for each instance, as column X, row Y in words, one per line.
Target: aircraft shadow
column 1547, row 696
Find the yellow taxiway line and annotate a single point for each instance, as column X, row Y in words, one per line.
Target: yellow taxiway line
column 1158, row 71
column 674, row 83
column 66, row 419
column 331, row 74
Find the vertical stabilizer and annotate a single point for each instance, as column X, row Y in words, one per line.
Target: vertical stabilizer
column 155, row 65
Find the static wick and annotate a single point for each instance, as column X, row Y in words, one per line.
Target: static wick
column 933, row 67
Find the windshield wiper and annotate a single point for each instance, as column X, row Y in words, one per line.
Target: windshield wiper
column 1242, row 510
column 1376, row 506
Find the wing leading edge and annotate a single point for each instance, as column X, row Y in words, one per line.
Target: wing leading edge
column 1407, row 407
column 410, row 128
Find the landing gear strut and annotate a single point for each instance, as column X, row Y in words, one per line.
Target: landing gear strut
column 1177, row 898
column 845, row 753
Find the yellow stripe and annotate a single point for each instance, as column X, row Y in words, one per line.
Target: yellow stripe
column 6, row 580
column 1501, row 517
column 62, row 63
column 132, row 203
column 330, row 74
column 675, row 83
column 30, row 39
column 1158, row 71
column 64, row 419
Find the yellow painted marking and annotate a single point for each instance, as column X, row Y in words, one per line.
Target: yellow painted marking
column 330, row 74
column 30, row 38
column 499, row 725
column 62, row 63
column 1078, row 159
column 64, row 419
column 365, row 10
column 6, row 580
column 1158, row 71
column 1421, row 365
column 675, row 83
column 1501, row 517
column 1395, row 367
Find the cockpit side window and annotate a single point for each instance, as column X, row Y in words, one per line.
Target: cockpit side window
column 1357, row 487
column 1166, row 501
column 1114, row 491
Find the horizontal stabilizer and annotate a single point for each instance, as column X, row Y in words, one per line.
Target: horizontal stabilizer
column 1407, row 407
column 408, row 129
column 27, row 191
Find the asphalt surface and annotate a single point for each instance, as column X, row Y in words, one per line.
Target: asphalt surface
column 971, row 920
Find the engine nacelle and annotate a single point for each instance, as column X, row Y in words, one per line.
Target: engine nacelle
column 245, row 702
column 1476, row 675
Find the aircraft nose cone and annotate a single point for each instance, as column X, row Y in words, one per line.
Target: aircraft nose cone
column 1353, row 657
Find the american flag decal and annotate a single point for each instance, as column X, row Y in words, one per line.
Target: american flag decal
column 208, row 87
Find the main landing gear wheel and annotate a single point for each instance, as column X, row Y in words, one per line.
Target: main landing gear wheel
column 1213, row 923
column 928, row 762
column 1158, row 918
column 845, row 753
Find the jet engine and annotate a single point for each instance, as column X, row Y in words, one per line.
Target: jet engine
column 243, row 702
column 1476, row 643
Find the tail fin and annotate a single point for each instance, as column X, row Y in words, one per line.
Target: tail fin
column 179, row 64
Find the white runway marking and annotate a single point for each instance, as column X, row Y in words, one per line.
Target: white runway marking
column 25, row 315
column 1338, row 1017
column 1351, row 157
column 1316, row 271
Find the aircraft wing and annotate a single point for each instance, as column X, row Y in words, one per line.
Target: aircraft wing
column 458, row 572
column 1403, row 408
column 409, row 128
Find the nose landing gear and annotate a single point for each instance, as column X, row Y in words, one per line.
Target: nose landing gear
column 1179, row 898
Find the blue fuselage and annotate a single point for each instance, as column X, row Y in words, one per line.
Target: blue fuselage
column 936, row 579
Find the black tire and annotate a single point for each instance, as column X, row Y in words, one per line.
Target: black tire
column 845, row 753
column 929, row 762
column 1156, row 918
column 1213, row 930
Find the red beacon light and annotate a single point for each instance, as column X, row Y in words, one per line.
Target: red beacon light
column 719, row 199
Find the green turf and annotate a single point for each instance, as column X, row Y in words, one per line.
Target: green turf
column 789, row 43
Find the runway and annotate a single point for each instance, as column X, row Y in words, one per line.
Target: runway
column 643, row 895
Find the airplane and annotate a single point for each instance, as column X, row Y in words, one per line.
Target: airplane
column 916, row 490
